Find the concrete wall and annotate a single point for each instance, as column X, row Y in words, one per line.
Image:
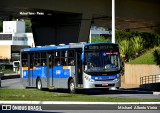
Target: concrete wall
column 133, row 72
column 5, row 51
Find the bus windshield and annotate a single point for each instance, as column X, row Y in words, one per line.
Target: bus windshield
column 102, row 61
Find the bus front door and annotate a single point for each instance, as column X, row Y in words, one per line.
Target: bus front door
column 78, row 69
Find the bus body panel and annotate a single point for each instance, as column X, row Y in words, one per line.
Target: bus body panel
column 100, row 81
column 59, row 78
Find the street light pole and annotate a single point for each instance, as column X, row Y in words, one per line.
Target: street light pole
column 113, row 21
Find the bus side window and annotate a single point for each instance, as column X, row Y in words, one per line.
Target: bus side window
column 43, row 62
column 71, row 62
column 58, row 63
column 24, row 63
column 43, row 58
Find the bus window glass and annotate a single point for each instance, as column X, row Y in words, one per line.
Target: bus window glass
column 37, row 59
column 102, row 61
column 24, row 56
column 57, row 53
column 24, row 63
column 71, row 53
column 43, row 55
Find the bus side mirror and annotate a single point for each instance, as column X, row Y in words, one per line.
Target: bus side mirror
column 82, row 57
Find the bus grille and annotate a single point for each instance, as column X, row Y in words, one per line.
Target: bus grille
column 100, row 85
column 104, row 80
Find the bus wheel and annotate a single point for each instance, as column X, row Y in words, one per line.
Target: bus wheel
column 71, row 86
column 39, row 84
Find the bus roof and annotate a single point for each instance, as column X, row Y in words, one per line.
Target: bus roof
column 71, row 45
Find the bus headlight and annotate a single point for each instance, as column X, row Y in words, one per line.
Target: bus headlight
column 89, row 78
column 115, row 79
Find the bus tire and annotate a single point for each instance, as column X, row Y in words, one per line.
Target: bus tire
column 39, row 84
column 71, row 86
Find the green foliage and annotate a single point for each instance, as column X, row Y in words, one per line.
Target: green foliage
column 149, row 57
column 124, row 49
column 151, row 40
column 137, row 44
column 36, row 95
column 1, row 26
column 100, row 39
column 156, row 54
column 146, row 58
column 28, row 25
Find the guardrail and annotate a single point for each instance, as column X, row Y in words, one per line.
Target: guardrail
column 150, row 79
column 151, row 82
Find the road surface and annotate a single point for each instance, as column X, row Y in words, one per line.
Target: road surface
column 122, row 93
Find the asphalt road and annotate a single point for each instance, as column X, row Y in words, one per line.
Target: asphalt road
column 12, row 83
column 123, row 93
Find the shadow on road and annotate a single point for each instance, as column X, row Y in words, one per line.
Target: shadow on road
column 110, row 92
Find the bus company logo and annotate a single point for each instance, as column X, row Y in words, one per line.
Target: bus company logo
column 24, row 73
column 6, row 107
column 58, row 72
column 98, row 78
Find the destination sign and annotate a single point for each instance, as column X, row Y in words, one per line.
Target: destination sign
column 102, row 47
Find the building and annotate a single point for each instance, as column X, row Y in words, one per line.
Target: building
column 13, row 39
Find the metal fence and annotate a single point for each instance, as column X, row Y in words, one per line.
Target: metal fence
column 150, row 79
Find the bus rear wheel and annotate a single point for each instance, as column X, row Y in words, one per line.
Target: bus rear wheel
column 71, row 86
column 39, row 84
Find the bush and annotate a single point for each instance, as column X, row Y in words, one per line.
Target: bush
column 156, row 54
column 100, row 39
column 137, row 45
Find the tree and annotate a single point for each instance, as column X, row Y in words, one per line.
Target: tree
column 28, row 25
column 1, row 26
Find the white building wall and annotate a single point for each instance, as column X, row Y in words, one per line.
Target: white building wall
column 6, row 42
column 13, row 27
column 30, row 39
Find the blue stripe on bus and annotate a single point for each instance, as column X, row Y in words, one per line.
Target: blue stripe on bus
column 102, row 77
column 58, row 72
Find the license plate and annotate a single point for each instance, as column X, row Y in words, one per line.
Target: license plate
column 105, row 84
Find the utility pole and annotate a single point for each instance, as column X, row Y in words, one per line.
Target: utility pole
column 113, row 21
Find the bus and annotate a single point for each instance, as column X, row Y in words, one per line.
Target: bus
column 73, row 66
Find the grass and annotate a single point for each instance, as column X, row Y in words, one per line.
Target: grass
column 36, row 95
column 146, row 58
column 7, row 71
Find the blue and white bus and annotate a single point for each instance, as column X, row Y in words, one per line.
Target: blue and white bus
column 72, row 66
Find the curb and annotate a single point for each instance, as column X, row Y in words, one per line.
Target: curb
column 156, row 93
column 10, row 77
